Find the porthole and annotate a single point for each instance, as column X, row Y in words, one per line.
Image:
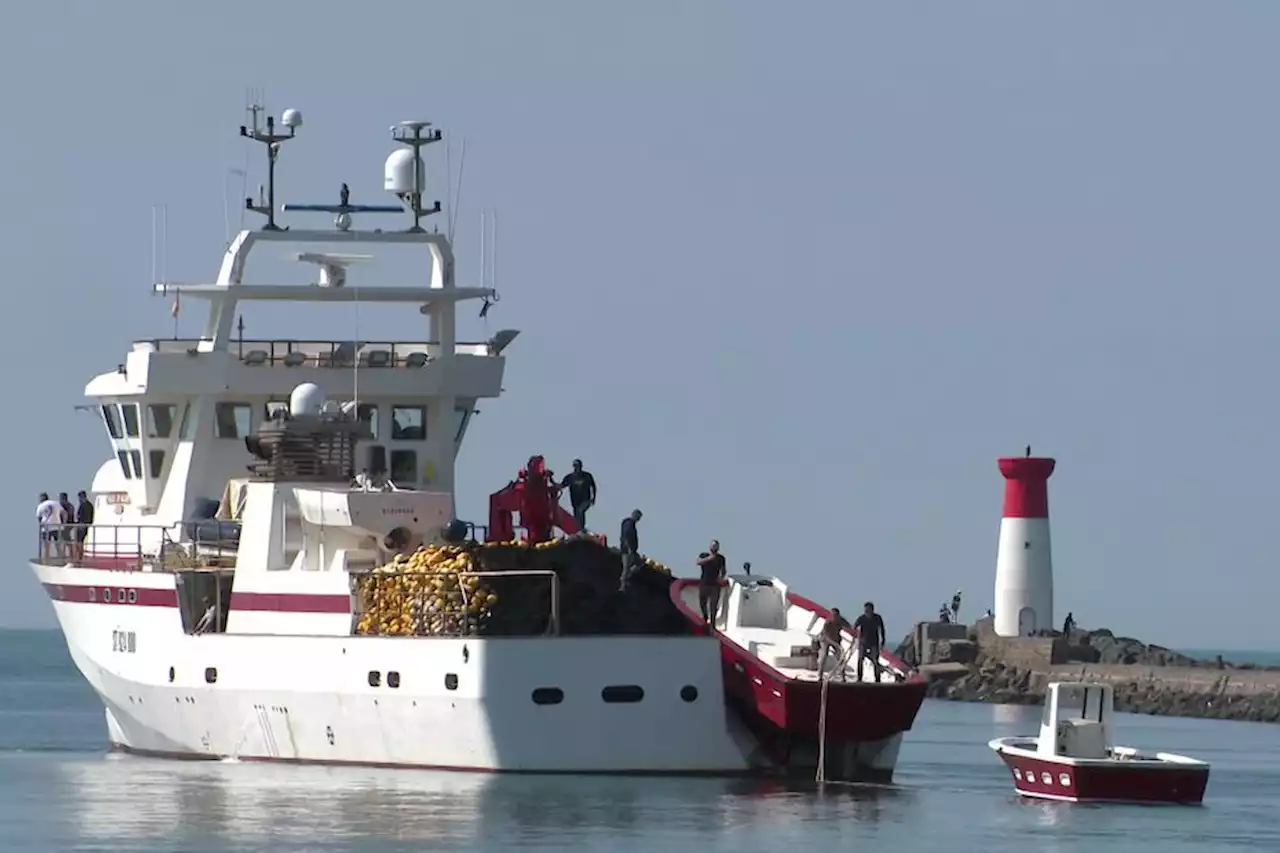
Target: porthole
column 1064, row 780
column 210, row 674
column 172, row 675
column 1046, row 778
column 133, row 596
column 393, row 679
column 120, row 596
column 93, row 594
column 106, row 594
column 689, row 693
column 547, row 696
column 375, row 678
column 451, row 682
column 1017, row 774
column 622, row 693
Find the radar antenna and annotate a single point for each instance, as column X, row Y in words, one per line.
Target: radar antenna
column 292, row 119
column 343, row 209
column 416, row 134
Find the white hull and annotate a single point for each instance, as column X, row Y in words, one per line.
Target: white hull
column 308, row 698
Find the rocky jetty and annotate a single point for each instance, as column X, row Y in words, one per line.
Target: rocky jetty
column 1147, row 679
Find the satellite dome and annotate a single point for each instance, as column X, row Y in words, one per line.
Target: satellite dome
column 398, row 173
column 306, row 399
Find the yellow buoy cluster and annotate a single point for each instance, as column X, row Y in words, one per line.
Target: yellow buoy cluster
column 426, row 593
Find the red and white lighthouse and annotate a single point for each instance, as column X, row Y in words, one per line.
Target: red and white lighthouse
column 1024, row 564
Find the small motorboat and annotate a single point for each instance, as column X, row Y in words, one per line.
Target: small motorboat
column 1073, row 758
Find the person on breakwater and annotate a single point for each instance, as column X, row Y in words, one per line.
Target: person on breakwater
column 944, row 614
column 582, row 493
column 870, row 628
column 955, row 606
column 629, row 545
column 1068, row 624
column 712, row 564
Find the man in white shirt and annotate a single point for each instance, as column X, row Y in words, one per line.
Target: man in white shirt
column 51, row 517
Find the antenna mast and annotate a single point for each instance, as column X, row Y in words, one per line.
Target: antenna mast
column 292, row 119
column 416, row 134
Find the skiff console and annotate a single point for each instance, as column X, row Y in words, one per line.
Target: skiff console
column 180, row 412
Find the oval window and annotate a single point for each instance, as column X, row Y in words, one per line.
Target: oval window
column 622, row 693
column 548, row 696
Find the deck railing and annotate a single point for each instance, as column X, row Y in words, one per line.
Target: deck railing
column 135, row 547
column 293, row 353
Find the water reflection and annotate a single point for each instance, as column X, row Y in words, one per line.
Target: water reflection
column 121, row 798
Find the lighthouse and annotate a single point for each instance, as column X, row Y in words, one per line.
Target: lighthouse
column 1024, row 563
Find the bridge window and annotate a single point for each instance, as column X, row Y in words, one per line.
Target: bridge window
column 130, row 413
column 232, row 420
column 155, row 459
column 377, row 459
column 404, row 466
column 112, row 421
column 408, row 423
column 461, row 414
column 274, row 407
column 160, row 417
column 368, row 415
column 130, row 463
column 622, row 693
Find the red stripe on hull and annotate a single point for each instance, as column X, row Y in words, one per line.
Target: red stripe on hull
column 289, row 602
column 1111, row 783
column 244, row 602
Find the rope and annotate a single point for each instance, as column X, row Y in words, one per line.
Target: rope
column 841, row 663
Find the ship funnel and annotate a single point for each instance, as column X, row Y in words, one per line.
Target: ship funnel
column 1024, row 563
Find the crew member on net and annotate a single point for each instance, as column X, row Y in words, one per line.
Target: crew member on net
column 629, row 544
column 582, row 493
column 712, row 564
column 870, row 628
column 831, row 639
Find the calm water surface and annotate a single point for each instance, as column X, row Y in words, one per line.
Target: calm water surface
column 59, row 791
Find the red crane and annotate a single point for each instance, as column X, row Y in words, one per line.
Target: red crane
column 535, row 495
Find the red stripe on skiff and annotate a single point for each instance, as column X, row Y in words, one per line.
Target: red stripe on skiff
column 242, row 601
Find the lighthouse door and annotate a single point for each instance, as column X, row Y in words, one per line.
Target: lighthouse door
column 1026, row 622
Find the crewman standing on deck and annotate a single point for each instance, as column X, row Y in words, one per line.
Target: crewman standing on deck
column 713, row 568
column 629, row 544
column 582, row 493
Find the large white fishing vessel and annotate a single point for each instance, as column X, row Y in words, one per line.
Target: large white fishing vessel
column 231, row 597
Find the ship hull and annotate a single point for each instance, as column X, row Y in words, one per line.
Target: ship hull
column 618, row 705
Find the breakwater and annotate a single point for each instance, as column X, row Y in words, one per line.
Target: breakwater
column 971, row 664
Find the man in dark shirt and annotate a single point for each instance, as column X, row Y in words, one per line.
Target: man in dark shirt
column 582, row 492
column 712, row 565
column 870, row 628
column 68, row 532
column 84, row 518
column 629, row 544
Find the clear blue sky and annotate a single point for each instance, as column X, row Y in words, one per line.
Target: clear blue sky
column 791, row 278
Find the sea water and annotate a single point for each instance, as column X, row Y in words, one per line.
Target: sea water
column 61, row 791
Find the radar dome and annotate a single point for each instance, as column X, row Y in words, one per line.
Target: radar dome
column 306, row 399
column 291, row 118
column 398, row 173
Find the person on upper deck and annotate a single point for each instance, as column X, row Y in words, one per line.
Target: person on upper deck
column 870, row 628
column 582, row 493
column 831, row 639
column 84, row 520
column 712, row 565
column 629, row 545
column 69, row 531
column 51, row 518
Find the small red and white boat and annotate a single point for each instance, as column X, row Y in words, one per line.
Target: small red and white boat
column 1073, row 758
